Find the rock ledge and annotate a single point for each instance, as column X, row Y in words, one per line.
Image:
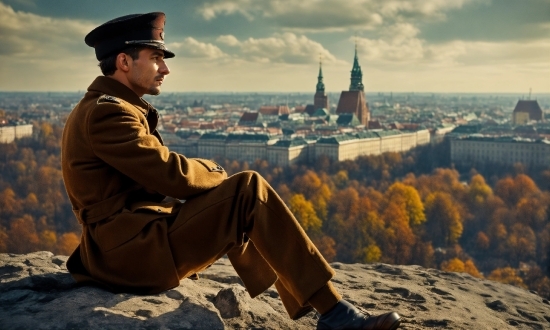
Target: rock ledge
column 36, row 292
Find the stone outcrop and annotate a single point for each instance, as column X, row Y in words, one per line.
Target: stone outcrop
column 36, row 292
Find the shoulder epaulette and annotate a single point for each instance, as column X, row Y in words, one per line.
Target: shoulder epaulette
column 107, row 99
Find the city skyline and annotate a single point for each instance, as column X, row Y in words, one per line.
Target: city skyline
column 458, row 46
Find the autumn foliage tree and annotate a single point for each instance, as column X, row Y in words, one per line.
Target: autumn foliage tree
column 444, row 225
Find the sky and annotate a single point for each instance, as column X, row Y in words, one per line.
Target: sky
column 438, row 46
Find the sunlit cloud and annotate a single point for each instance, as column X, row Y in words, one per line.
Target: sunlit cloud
column 280, row 48
column 191, row 47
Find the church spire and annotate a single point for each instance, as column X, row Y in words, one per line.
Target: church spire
column 320, row 84
column 320, row 100
column 356, row 74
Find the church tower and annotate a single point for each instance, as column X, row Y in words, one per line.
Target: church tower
column 356, row 75
column 321, row 99
column 354, row 101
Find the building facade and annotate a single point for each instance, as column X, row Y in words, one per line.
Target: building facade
column 284, row 152
column 9, row 134
column 526, row 111
column 288, row 152
column 478, row 149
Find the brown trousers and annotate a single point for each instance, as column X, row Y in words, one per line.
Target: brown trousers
column 246, row 219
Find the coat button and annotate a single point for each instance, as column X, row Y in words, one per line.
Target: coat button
column 158, row 210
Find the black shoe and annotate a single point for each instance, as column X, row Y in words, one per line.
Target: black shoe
column 344, row 316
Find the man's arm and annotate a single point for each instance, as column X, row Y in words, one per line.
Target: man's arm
column 118, row 136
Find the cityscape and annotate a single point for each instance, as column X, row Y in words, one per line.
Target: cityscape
column 287, row 128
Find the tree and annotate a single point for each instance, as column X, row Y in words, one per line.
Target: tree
column 408, row 199
column 321, row 200
column 372, row 253
column 325, row 245
column 48, row 240
column 507, row 275
column 479, row 191
column 3, row 240
column 341, row 179
column 521, row 243
column 67, row 243
column 346, row 203
column 470, row 268
column 307, row 184
column 444, row 225
column 398, row 239
column 444, row 180
column 304, row 212
column 524, row 186
column 22, row 236
column 505, row 190
column 512, row 190
column 453, row 265
column 423, row 254
column 532, row 211
column 45, row 130
column 9, row 203
column 458, row 266
column 482, row 241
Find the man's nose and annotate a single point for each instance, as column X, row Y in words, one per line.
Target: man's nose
column 164, row 69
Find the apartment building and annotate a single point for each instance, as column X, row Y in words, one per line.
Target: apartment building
column 508, row 150
column 9, row 134
column 283, row 152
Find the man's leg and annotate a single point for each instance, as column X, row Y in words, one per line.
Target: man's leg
column 244, row 206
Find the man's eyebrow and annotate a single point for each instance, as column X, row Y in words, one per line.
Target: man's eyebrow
column 157, row 53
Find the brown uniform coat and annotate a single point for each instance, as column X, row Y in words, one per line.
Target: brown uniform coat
column 111, row 152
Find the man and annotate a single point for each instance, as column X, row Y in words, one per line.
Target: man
column 152, row 217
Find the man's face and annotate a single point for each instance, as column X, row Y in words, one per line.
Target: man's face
column 147, row 72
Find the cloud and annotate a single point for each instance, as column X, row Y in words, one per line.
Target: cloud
column 399, row 46
column 280, row 48
column 211, row 9
column 193, row 48
column 336, row 15
column 28, row 35
column 228, row 40
column 419, row 9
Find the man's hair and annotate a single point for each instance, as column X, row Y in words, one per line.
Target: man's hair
column 108, row 64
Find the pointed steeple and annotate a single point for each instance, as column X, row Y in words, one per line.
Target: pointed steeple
column 356, row 74
column 320, row 100
column 320, row 84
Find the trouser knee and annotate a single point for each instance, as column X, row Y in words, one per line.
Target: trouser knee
column 251, row 182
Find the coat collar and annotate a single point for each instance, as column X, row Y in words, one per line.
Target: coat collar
column 114, row 88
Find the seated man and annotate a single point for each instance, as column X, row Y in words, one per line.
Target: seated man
column 152, row 217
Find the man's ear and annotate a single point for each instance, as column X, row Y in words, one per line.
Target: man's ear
column 122, row 62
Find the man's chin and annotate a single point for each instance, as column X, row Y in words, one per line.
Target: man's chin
column 154, row 91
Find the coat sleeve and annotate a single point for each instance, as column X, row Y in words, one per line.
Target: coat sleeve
column 119, row 137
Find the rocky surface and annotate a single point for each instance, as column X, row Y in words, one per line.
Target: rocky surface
column 36, row 292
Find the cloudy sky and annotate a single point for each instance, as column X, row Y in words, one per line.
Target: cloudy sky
column 485, row 46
